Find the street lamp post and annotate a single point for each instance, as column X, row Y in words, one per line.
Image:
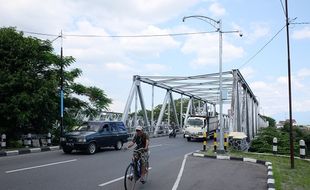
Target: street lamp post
column 217, row 24
column 61, row 86
column 61, row 91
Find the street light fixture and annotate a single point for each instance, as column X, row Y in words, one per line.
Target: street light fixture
column 217, row 24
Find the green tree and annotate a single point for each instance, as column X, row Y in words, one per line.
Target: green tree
column 29, row 86
column 272, row 122
column 165, row 117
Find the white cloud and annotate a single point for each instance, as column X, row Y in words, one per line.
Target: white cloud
column 206, row 47
column 305, row 72
column 302, row 34
column 273, row 95
column 149, row 46
column 257, row 31
column 217, row 9
column 247, row 72
column 117, row 67
column 156, row 68
column 295, row 81
column 117, row 106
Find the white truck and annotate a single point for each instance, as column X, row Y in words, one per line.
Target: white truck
column 196, row 125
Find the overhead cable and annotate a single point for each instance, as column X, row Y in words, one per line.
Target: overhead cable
column 261, row 49
column 121, row 36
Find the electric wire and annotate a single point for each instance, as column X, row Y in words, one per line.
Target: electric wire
column 283, row 7
column 261, row 49
column 119, row 36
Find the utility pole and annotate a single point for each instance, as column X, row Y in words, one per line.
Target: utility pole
column 289, row 85
column 61, row 90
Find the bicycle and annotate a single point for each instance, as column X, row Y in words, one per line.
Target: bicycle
column 133, row 170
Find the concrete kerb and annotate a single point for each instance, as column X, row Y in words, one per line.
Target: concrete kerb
column 270, row 178
column 27, row 151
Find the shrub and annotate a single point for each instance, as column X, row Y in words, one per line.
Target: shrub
column 264, row 140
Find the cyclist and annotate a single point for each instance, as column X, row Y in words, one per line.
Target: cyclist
column 141, row 139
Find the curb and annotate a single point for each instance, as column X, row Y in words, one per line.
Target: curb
column 270, row 178
column 279, row 155
column 27, row 151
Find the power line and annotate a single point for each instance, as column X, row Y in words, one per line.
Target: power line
column 120, row 36
column 282, row 7
column 39, row 33
column 261, row 49
column 305, row 23
column 138, row 36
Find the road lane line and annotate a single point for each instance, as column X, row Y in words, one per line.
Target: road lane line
column 177, row 181
column 114, row 180
column 153, row 146
column 120, row 178
column 40, row 166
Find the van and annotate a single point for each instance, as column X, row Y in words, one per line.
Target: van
column 93, row 135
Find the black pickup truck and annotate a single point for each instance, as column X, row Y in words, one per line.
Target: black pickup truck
column 93, row 135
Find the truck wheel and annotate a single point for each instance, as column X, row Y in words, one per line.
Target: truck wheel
column 189, row 139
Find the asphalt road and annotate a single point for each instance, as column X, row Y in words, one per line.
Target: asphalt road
column 104, row 170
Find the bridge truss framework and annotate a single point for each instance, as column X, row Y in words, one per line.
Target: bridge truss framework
column 243, row 114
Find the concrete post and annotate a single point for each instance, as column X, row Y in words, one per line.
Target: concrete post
column 302, row 147
column 215, row 141
column 3, row 141
column 225, row 141
column 205, row 139
column 275, row 145
column 29, row 140
column 49, row 136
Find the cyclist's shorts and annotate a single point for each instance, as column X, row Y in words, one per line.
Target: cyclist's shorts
column 144, row 157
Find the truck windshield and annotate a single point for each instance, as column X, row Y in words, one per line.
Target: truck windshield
column 195, row 122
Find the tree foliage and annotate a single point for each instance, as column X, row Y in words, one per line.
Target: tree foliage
column 263, row 141
column 157, row 109
column 272, row 122
column 29, row 86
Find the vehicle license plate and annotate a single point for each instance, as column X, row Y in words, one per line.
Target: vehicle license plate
column 70, row 144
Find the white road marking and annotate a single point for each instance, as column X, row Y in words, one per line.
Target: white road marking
column 176, row 183
column 153, row 146
column 114, row 180
column 40, row 166
column 120, row 178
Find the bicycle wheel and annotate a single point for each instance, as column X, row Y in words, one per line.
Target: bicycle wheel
column 147, row 171
column 129, row 179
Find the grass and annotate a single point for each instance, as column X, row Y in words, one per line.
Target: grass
column 285, row 177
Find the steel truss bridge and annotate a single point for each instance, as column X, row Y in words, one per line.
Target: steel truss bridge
column 243, row 106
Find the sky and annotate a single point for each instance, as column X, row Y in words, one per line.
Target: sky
column 110, row 63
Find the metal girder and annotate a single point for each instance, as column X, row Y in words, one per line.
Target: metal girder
column 162, row 112
column 243, row 115
column 189, row 106
column 142, row 105
column 174, row 108
column 129, row 101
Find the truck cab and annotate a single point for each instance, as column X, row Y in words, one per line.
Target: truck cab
column 197, row 125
